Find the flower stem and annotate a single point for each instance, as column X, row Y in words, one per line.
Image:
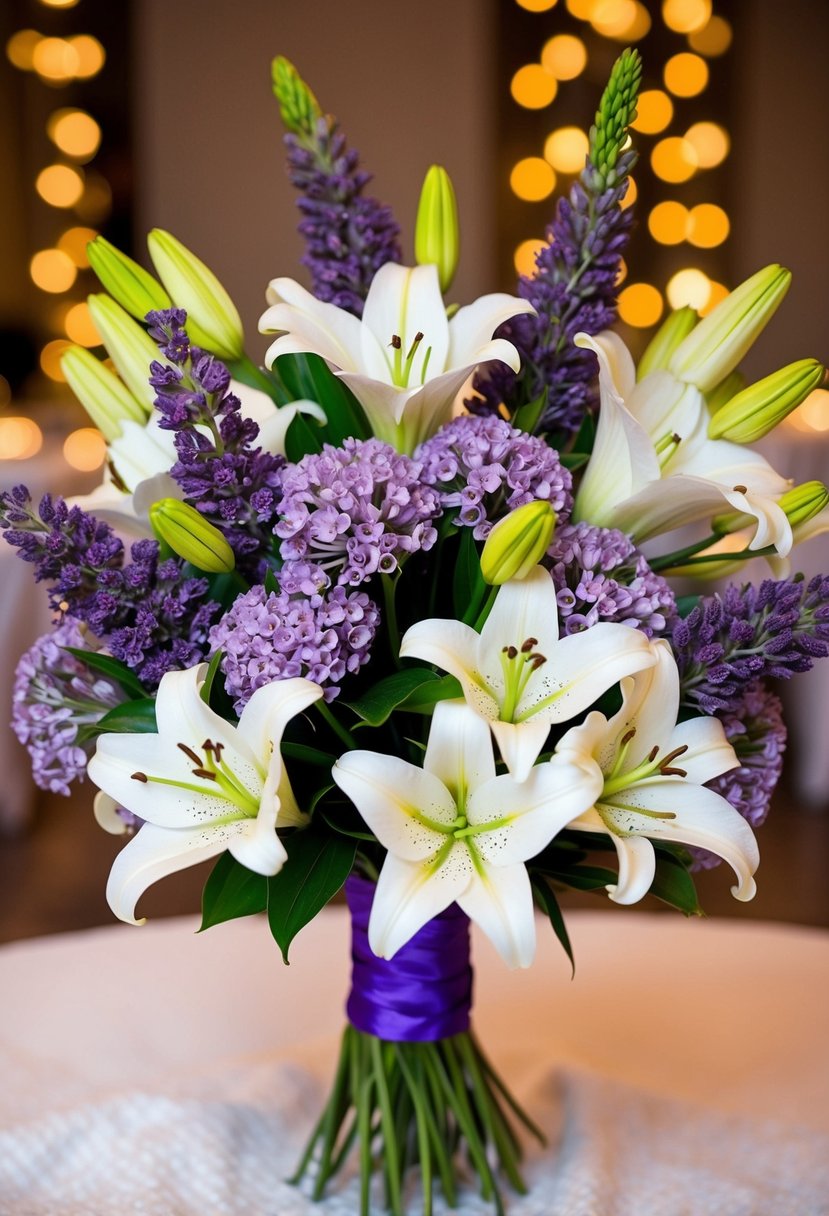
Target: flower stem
column 679, row 556
column 389, row 585
column 337, row 727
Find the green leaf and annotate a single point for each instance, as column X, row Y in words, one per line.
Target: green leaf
column 270, row 584
column 425, row 698
column 232, row 890
column 586, row 436
column 527, row 415
column 308, row 376
column 308, row 755
column 574, row 460
column 674, row 885
column 301, row 439
column 580, row 878
column 377, row 703
column 114, row 669
column 468, row 586
column 685, row 604
column 346, row 819
column 131, row 718
column 212, row 668
column 546, row 899
column 317, row 866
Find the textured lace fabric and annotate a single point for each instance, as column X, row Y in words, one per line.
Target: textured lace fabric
column 224, row 1144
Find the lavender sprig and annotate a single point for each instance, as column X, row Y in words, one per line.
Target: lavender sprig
column 729, row 641
column 228, row 479
column 574, row 287
column 349, row 235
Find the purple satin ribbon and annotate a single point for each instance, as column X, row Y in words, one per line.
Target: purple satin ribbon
column 422, row 994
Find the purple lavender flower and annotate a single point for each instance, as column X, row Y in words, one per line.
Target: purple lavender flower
column 756, row 730
column 54, row 695
column 748, row 633
column 306, row 629
column 233, row 483
column 150, row 614
column 486, row 468
column 600, row 575
column 361, row 508
column 348, row 235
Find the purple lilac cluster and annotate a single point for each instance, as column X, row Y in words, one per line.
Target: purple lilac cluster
column 307, row 628
column 349, row 235
column 359, row 509
column 486, row 468
column 757, row 732
column 729, row 641
column 235, row 484
column 54, row 695
column 600, row 575
column 152, row 617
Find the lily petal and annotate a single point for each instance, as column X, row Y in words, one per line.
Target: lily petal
column 453, row 647
column 472, row 327
column 523, row 608
column 404, row 301
column 459, row 752
column 500, row 902
column 410, row 894
column 397, row 801
column 520, row 743
column 709, row 753
column 309, row 325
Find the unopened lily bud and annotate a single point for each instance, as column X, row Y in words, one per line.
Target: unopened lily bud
column 718, row 343
column 722, row 393
column 107, row 401
column 130, row 347
column 212, row 320
column 802, row 503
column 518, row 542
column 758, row 409
column 191, row 536
column 437, row 233
column 130, row 284
column 673, row 330
column 298, row 106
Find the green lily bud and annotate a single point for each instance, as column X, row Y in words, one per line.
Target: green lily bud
column 437, row 233
column 673, row 330
column 130, row 284
column 718, row 343
column 130, row 347
column 758, row 409
column 298, row 106
column 212, row 320
column 518, row 542
column 191, row 536
column 107, row 401
column 804, row 502
column 722, row 393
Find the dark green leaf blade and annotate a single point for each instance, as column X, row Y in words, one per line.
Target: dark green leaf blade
column 114, row 669
column 131, row 718
column 674, row 885
column 318, row 864
column 231, row 891
column 546, row 898
column 378, row 702
column 527, row 416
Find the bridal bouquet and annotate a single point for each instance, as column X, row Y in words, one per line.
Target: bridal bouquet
column 391, row 609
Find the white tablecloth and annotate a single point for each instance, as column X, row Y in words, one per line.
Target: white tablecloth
column 684, row 1072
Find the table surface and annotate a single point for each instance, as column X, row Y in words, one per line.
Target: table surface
column 720, row 1017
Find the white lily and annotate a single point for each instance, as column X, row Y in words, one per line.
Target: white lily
column 517, row 674
column 405, row 362
column 141, row 458
column 456, row 833
column 653, row 772
column 201, row 785
column 653, row 467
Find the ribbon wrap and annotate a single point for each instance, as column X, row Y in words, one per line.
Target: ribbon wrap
column 422, row 994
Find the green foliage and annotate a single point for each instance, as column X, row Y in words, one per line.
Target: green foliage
column 135, row 717
column 546, row 899
column 113, row 669
column 231, row 891
column 309, row 377
column 298, row 106
column 317, row 866
column 468, row 587
column 375, row 706
column 527, row 416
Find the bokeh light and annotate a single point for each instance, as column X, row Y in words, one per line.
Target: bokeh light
column 813, row 414
column 75, row 132
column 20, row 438
column 532, row 87
column 74, row 242
column 716, row 294
column 80, row 327
column 532, row 179
column 668, row 222
column 674, row 159
column 689, row 286
column 685, row 74
column 90, row 54
column 50, row 358
column 654, row 111
column 564, row 56
column 60, row 185
column 581, row 9
column 708, row 226
column 622, row 272
column 714, row 39
column 686, row 16
column 710, row 142
column 85, row 449
column 524, row 256
column 640, row 304
column 536, row 6
column 52, row 270
column 566, row 149
column 613, row 18
column 631, row 194
column 59, row 3
column 55, row 60
column 20, row 49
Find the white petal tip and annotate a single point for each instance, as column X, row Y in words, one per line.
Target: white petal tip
column 745, row 891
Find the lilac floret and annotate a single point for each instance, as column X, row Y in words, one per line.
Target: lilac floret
column 486, row 468
column 600, row 575
column 358, row 510
column 322, row 634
